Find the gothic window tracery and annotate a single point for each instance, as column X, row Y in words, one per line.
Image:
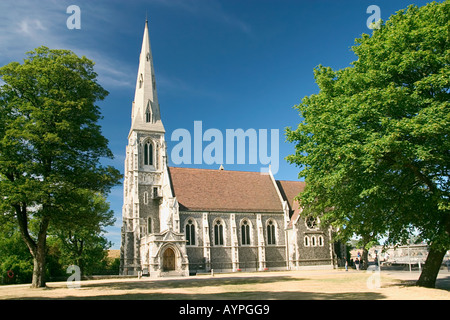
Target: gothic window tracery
column 271, row 232
column 148, row 153
column 190, row 233
column 148, row 115
column 245, row 232
column 218, row 233
column 311, row 222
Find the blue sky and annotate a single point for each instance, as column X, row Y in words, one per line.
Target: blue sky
column 228, row 63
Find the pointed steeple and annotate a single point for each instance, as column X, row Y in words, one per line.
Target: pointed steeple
column 145, row 115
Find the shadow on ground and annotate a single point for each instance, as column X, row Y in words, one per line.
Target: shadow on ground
column 247, row 295
column 187, row 283
column 121, row 290
column 442, row 283
column 232, row 288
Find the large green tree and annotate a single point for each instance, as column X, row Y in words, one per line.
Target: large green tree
column 50, row 144
column 80, row 237
column 374, row 143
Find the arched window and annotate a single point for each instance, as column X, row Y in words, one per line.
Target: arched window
column 218, row 233
column 190, row 233
column 149, row 225
column 148, row 153
column 306, row 241
column 245, row 233
column 145, row 197
column 320, row 239
column 148, row 115
column 271, row 232
column 313, row 241
column 140, row 80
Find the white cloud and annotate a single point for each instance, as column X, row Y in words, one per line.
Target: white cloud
column 29, row 26
column 26, row 25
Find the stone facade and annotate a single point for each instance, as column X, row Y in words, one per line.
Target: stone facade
column 178, row 221
column 208, row 252
column 309, row 246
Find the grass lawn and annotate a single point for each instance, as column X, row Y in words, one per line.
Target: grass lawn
column 283, row 285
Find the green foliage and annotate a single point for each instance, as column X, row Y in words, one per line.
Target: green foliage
column 374, row 143
column 91, row 258
column 50, row 140
column 80, row 240
column 14, row 256
column 51, row 144
column 113, row 266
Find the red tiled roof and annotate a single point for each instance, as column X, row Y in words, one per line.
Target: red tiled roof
column 222, row 190
column 289, row 190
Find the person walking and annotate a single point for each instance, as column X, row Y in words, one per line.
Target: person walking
column 357, row 263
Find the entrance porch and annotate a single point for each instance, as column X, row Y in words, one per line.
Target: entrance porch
column 164, row 254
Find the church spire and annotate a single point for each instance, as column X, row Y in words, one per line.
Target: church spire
column 146, row 114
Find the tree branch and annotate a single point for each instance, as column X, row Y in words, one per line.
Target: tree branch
column 421, row 176
column 22, row 219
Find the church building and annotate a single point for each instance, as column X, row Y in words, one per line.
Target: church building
column 181, row 221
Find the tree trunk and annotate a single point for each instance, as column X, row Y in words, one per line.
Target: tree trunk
column 431, row 268
column 40, row 254
column 365, row 259
column 38, row 280
column 364, row 263
column 434, row 260
column 38, row 248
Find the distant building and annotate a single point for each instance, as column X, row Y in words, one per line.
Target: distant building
column 402, row 255
column 182, row 220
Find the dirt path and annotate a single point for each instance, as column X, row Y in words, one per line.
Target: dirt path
column 330, row 284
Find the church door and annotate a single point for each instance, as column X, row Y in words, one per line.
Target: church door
column 168, row 260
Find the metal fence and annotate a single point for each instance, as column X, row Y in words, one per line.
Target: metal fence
column 227, row 266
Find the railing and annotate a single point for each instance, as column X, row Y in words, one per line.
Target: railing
column 227, row 266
